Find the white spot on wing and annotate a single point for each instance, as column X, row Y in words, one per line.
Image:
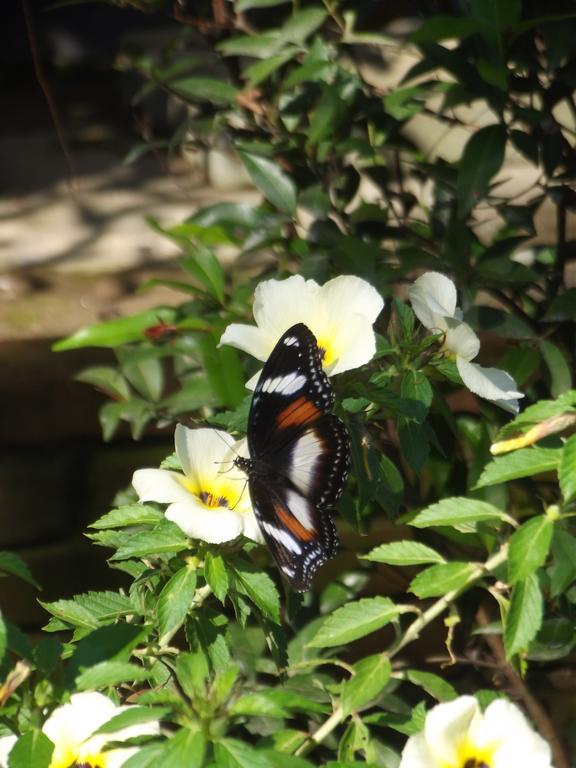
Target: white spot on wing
column 284, row 385
column 305, row 457
column 282, row 537
column 301, row 509
column 291, row 341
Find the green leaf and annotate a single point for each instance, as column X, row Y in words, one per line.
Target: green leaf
column 216, row 575
column 260, row 71
column 107, row 379
column 438, row 28
column 224, row 371
column 133, row 715
column 561, row 307
column 231, row 753
column 371, row 676
column 415, row 386
column 174, row 601
column 72, row 612
column 114, row 333
column 433, row 684
column 404, row 553
column 301, row 24
column 185, row 748
column 166, row 537
column 440, row 579
column 3, row 638
column 146, row 376
column 529, row 547
column 560, row 373
column 274, row 703
column 524, row 616
column 481, row 160
column 110, row 673
column 274, row 184
column 563, row 568
column 204, row 89
column 258, row 46
column 458, row 512
column 33, row 750
column 149, row 756
column 260, row 589
column 245, row 5
column 132, row 514
column 526, row 462
column 354, row 620
column 14, row 565
column 331, row 109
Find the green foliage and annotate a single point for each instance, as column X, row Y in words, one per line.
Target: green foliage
column 206, row 637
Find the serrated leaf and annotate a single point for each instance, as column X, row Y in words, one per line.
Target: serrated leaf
column 524, row 616
column 526, row 462
column 458, row 512
column 72, row 613
column 529, row 547
column 216, row 575
column 164, row 538
column 114, row 333
column 433, row 684
column 33, row 750
column 133, row 514
column 440, row 579
column 14, row 565
column 481, row 160
column 271, row 180
column 147, row 757
column 110, row 673
column 371, row 676
column 566, row 472
column 404, row 553
column 260, row 589
column 175, row 600
column 354, row 620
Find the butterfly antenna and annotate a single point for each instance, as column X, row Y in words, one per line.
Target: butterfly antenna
column 241, row 494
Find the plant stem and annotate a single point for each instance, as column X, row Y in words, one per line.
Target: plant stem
column 199, row 596
column 411, row 634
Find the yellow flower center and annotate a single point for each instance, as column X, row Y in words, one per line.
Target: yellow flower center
column 218, row 493
column 472, row 756
column 328, row 353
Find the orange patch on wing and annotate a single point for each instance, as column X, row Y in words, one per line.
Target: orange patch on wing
column 292, row 524
column 301, row 411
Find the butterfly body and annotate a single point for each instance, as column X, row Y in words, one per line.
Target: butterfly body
column 299, row 457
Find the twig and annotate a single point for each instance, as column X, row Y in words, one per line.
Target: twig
column 46, row 90
column 412, row 633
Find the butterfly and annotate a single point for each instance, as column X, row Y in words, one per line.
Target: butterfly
column 299, row 457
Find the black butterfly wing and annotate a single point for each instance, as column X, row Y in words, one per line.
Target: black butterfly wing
column 299, row 457
column 300, row 537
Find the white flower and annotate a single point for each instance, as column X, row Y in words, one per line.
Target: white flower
column 210, row 501
column 6, row 744
column 70, row 728
column 433, row 298
column 458, row 735
column 339, row 313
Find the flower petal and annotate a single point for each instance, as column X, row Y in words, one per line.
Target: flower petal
column 161, row 485
column 202, row 452
column 430, row 295
column 491, row 384
column 6, row 744
column 215, row 525
column 350, row 295
column 514, row 741
column 255, row 341
column 461, row 339
column 70, row 725
column 416, row 753
column 446, row 728
column 353, row 345
column 279, row 304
